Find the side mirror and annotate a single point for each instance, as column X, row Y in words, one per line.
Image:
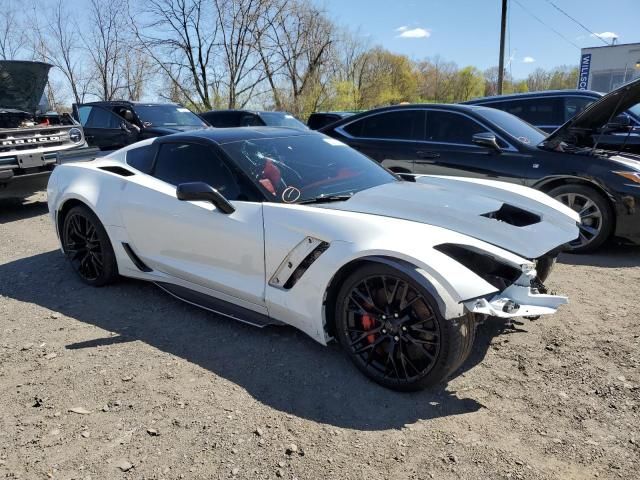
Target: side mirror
column 204, row 192
column 619, row 122
column 486, row 139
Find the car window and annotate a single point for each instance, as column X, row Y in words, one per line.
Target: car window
column 395, row 125
column 141, row 158
column 251, row 120
column 98, row 117
column 450, row 127
column 543, row 111
column 178, row 163
column 575, row 105
column 222, row 119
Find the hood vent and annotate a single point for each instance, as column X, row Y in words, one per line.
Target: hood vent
column 513, row 216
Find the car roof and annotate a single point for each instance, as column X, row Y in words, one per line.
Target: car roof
column 257, row 112
column 221, row 136
column 543, row 93
column 127, row 103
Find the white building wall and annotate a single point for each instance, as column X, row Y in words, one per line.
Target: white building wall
column 606, row 68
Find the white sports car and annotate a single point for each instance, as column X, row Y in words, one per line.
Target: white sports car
column 277, row 226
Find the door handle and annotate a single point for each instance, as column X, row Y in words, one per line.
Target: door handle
column 423, row 154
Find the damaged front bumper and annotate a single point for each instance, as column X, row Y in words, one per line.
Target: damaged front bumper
column 521, row 299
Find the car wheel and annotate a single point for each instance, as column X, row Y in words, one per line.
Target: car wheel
column 86, row 244
column 544, row 265
column 391, row 328
column 596, row 217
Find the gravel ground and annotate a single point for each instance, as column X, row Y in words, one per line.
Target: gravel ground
column 127, row 382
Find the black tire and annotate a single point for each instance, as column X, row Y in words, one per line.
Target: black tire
column 86, row 244
column 544, row 265
column 413, row 350
column 596, row 221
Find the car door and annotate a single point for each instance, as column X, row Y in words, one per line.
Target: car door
column 191, row 240
column 449, row 150
column 391, row 137
column 104, row 129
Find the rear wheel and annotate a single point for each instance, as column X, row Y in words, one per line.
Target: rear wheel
column 596, row 217
column 390, row 327
column 86, row 244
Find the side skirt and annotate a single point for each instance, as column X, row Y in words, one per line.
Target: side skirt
column 218, row 306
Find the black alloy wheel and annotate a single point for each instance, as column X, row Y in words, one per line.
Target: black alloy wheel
column 390, row 328
column 87, row 247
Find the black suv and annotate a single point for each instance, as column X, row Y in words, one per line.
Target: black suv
column 550, row 109
column 251, row 118
column 486, row 143
column 115, row 124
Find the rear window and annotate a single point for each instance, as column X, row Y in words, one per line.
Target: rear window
column 141, row 158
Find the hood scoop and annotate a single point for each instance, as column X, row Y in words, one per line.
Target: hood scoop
column 513, row 216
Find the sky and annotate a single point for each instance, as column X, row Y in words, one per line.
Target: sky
column 468, row 31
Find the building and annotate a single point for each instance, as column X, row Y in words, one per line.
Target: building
column 606, row 68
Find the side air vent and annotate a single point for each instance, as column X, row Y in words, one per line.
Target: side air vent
column 305, row 264
column 140, row 265
column 297, row 262
column 513, row 216
column 123, row 172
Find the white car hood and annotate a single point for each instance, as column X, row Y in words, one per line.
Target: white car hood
column 458, row 204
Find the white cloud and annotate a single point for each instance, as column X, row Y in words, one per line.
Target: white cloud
column 606, row 35
column 402, row 28
column 413, row 33
column 528, row 60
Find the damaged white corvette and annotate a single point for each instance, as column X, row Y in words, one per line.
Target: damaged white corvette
column 276, row 226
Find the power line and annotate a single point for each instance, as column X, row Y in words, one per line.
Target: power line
column 576, row 21
column 546, row 25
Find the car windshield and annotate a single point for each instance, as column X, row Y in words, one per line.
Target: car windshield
column 514, row 126
column 168, row 116
column 282, row 119
column 306, row 168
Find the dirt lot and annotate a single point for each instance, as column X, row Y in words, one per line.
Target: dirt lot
column 126, row 382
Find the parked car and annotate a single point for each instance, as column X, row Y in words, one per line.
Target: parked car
column 32, row 139
column 549, row 110
column 274, row 225
column 482, row 142
column 318, row 120
column 115, row 124
column 251, row 118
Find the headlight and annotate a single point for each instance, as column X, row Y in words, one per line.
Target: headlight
column 75, row 135
column 633, row 176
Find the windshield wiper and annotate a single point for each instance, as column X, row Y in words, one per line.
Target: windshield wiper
column 327, row 199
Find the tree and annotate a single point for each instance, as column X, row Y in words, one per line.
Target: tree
column 294, row 49
column 181, row 36
column 58, row 43
column 107, row 47
column 12, row 34
column 468, row 84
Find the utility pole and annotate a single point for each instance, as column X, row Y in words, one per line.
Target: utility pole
column 503, row 27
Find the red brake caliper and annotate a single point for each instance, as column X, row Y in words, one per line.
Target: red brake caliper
column 368, row 323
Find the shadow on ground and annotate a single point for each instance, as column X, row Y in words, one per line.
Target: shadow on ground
column 278, row 366
column 13, row 209
column 610, row 256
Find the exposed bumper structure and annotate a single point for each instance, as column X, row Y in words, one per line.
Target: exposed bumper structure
column 518, row 300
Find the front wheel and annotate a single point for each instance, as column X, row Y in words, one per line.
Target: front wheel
column 596, row 216
column 86, row 244
column 390, row 327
